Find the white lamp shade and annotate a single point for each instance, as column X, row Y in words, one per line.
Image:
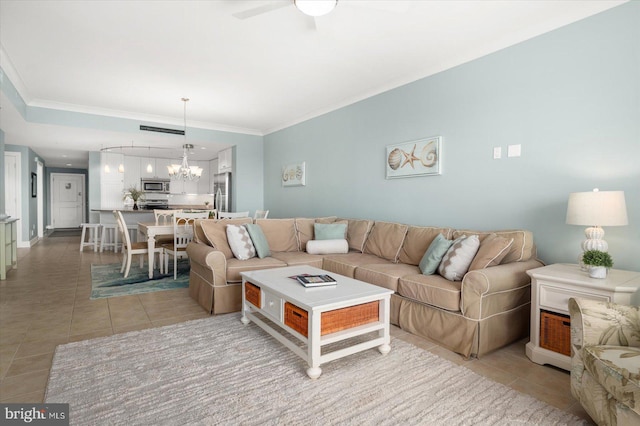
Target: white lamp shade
column 597, row 208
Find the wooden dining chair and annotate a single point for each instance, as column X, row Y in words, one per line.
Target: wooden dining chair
column 182, row 235
column 230, row 215
column 130, row 249
column 261, row 214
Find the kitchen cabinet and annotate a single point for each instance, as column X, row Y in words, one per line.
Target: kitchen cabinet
column 213, row 170
column 131, row 172
column 111, row 181
column 204, row 186
column 145, row 172
column 225, row 160
column 161, row 171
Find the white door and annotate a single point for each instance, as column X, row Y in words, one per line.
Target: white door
column 12, row 193
column 67, row 200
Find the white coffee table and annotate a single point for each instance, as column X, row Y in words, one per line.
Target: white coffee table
column 317, row 316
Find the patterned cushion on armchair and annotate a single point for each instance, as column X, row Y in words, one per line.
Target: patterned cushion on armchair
column 605, row 363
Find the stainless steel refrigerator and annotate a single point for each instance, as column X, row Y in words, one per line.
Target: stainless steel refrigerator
column 222, row 192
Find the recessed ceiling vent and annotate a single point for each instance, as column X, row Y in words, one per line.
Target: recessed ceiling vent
column 161, row 130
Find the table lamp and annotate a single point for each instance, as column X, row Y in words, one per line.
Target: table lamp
column 596, row 209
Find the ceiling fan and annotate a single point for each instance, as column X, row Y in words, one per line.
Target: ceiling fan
column 312, row 8
column 316, row 8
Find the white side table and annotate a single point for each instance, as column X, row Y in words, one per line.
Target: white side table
column 553, row 285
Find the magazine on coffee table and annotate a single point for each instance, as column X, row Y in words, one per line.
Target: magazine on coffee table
column 309, row 280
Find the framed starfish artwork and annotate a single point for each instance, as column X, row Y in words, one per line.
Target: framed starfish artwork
column 416, row 158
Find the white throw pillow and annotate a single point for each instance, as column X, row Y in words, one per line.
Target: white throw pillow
column 456, row 262
column 240, row 242
column 327, row 246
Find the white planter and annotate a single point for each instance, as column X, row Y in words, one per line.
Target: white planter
column 597, row 272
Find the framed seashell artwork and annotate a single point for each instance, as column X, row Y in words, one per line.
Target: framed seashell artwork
column 416, row 158
column 294, row 174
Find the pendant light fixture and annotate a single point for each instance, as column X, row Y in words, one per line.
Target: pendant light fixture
column 183, row 171
column 149, row 167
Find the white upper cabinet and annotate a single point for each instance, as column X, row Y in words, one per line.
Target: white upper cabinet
column 161, row 170
column 203, row 183
column 225, row 160
column 148, row 168
column 131, row 172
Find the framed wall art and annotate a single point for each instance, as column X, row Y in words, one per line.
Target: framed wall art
column 294, row 174
column 416, row 158
column 34, row 185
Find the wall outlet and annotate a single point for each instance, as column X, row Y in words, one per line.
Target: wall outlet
column 514, row 150
column 497, row 153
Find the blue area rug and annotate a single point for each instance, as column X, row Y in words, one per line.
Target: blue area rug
column 107, row 281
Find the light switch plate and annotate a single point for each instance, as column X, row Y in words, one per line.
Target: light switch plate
column 514, row 150
column 497, row 153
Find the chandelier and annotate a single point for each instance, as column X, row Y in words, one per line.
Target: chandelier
column 183, row 171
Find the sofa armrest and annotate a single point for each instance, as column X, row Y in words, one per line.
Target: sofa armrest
column 210, row 262
column 497, row 289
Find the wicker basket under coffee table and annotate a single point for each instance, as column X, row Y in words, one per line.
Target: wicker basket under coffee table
column 317, row 316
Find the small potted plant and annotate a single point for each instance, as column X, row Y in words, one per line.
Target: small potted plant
column 135, row 195
column 598, row 263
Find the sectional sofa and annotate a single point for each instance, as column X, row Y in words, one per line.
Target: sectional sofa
column 487, row 309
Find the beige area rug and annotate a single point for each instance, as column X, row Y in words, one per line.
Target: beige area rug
column 215, row 371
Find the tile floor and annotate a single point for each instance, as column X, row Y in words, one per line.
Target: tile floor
column 45, row 302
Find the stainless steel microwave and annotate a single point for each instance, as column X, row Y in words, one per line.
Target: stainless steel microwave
column 155, row 185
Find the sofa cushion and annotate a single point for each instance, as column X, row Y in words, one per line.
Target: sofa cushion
column 216, row 233
column 280, row 233
column 357, row 233
column 385, row 275
column 235, row 266
column 198, row 233
column 304, row 231
column 521, row 249
column 259, row 240
column 456, row 261
column 491, row 252
column 327, row 246
column 346, row 264
column 385, row 240
column 434, row 254
column 329, row 231
column 617, row 369
column 431, row 289
column 240, row 242
column 418, row 240
column 293, row 258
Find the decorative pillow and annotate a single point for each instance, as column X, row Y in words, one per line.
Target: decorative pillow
column 357, row 233
column 327, row 246
column 330, row 231
column 434, row 254
column 259, row 240
column 216, row 233
column 280, row 233
column 456, row 261
column 240, row 242
column 385, row 240
column 492, row 250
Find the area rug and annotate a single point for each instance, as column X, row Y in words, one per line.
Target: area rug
column 218, row 371
column 66, row 232
column 107, row 281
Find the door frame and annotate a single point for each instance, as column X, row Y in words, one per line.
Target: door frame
column 40, row 199
column 52, row 192
column 18, row 185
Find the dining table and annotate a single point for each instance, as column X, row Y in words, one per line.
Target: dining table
column 150, row 231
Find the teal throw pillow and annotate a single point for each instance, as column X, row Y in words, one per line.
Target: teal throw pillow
column 259, row 240
column 434, row 254
column 330, row 231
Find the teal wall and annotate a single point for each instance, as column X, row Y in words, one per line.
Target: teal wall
column 570, row 97
column 2, row 200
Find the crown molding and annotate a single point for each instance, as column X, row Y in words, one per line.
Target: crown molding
column 13, row 76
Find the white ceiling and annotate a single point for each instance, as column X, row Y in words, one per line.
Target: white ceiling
column 137, row 59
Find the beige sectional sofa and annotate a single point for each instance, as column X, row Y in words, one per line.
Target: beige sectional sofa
column 488, row 309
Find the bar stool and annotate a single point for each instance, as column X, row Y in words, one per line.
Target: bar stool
column 94, row 231
column 109, row 237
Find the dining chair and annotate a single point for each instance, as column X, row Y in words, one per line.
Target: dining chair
column 164, row 217
column 261, row 214
column 129, row 249
column 182, row 235
column 230, row 215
